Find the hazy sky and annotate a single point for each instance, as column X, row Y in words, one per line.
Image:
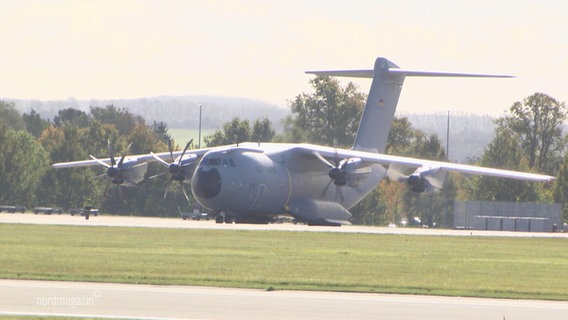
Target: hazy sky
column 260, row 49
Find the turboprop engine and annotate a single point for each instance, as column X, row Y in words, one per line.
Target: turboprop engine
column 422, row 180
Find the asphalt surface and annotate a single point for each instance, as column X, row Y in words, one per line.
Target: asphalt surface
column 148, row 222
column 79, row 299
column 47, row 298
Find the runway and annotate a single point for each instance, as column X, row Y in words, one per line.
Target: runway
column 78, row 299
column 47, row 298
column 151, row 222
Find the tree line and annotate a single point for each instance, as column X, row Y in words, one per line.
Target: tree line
column 528, row 138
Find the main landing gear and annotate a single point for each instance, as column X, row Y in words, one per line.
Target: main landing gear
column 226, row 218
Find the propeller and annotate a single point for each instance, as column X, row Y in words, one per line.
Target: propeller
column 423, row 179
column 337, row 174
column 341, row 171
column 114, row 170
column 176, row 169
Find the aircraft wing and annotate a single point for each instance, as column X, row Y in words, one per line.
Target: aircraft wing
column 140, row 158
column 333, row 153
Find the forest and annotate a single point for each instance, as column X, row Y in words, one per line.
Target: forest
column 529, row 137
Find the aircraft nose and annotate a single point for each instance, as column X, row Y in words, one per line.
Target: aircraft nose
column 207, row 183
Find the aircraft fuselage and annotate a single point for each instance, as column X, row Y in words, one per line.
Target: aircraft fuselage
column 250, row 182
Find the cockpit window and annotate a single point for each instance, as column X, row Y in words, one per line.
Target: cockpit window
column 228, row 163
column 218, row 162
column 215, row 162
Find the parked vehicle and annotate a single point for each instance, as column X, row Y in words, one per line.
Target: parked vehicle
column 13, row 209
column 84, row 211
column 48, row 210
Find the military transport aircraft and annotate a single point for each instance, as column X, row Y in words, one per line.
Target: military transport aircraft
column 254, row 182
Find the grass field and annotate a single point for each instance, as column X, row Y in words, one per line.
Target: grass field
column 535, row 268
column 182, row 136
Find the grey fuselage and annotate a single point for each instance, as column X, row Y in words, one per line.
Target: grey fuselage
column 261, row 180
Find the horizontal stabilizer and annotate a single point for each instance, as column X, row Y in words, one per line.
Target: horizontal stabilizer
column 344, row 73
column 422, row 73
column 406, row 73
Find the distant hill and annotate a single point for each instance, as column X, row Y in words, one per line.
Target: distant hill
column 176, row 111
column 469, row 134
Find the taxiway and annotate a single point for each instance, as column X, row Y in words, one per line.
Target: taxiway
column 47, row 298
column 152, row 222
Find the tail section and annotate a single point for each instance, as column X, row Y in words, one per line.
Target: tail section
column 385, row 90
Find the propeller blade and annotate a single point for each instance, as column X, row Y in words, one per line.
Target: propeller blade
column 101, row 162
column 170, row 148
column 157, row 175
column 121, row 161
column 124, row 155
column 437, row 180
column 362, row 170
column 184, row 150
column 167, row 186
column 394, row 173
column 324, row 160
column 121, row 195
column 340, row 193
column 111, row 152
column 184, row 193
column 326, row 188
column 160, row 160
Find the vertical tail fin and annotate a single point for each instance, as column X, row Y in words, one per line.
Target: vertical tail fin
column 385, row 90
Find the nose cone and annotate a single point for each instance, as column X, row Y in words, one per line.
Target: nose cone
column 113, row 172
column 206, row 183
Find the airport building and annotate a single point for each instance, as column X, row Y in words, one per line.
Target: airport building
column 507, row 216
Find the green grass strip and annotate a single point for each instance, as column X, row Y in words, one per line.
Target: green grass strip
column 528, row 268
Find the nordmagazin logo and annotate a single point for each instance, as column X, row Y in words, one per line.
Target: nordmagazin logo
column 73, row 302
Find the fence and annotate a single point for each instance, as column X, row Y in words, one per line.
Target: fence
column 507, row 216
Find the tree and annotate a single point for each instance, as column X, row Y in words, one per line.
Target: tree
column 10, row 117
column 160, row 130
column 529, row 139
column 292, row 132
column 34, row 123
column 537, row 124
column 401, row 135
column 371, row 210
column 237, row 131
column 72, row 187
column 121, row 118
column 560, row 190
column 504, row 152
column 431, row 208
column 23, row 161
column 73, row 116
column 331, row 115
column 262, row 131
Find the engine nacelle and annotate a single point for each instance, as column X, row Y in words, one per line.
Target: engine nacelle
column 417, row 183
column 426, row 180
